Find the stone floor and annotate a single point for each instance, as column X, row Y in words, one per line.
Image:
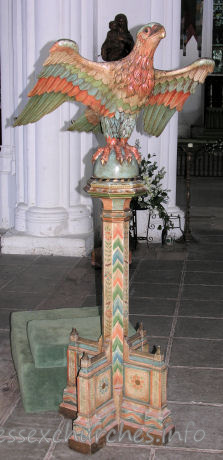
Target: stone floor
column 178, row 293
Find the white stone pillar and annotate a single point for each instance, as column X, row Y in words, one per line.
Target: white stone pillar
column 170, row 59
column 7, row 151
column 80, row 209
column 51, row 216
column 192, row 114
column 165, row 146
column 207, row 28
column 47, row 217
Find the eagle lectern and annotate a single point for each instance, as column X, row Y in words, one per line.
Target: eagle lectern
column 115, row 382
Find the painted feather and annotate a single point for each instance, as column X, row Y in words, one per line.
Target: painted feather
column 170, row 92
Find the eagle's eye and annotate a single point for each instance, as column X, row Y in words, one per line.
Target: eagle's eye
column 147, row 31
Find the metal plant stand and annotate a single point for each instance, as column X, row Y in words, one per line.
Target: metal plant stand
column 187, row 234
column 150, row 226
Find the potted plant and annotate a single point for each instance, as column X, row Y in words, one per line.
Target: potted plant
column 156, row 196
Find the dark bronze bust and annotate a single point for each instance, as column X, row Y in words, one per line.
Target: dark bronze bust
column 119, row 41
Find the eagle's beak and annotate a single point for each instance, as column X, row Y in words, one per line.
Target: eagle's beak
column 163, row 33
column 158, row 31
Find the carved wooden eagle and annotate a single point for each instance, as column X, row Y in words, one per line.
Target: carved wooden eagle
column 114, row 92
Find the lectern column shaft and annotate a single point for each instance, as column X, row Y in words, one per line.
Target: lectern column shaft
column 115, row 217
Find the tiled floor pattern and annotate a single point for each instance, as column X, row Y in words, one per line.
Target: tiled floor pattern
column 178, row 294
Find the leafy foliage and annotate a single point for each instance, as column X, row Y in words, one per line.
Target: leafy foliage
column 156, row 196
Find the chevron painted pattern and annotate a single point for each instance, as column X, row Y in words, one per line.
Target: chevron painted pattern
column 107, row 277
column 117, row 325
column 126, row 280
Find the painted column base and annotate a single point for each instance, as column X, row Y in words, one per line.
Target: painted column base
column 89, row 397
column 90, row 433
column 86, row 448
column 147, row 436
column 153, row 427
column 14, row 242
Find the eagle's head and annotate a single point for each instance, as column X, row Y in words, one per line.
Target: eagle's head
column 149, row 36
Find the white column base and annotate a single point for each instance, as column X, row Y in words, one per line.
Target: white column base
column 50, row 231
column 20, row 217
column 80, row 219
column 14, row 242
column 154, row 234
column 46, row 221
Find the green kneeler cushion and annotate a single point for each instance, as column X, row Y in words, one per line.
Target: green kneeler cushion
column 48, row 339
column 39, row 341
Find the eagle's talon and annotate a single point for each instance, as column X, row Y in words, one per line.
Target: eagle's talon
column 130, row 151
column 119, row 157
column 118, row 145
column 97, row 154
column 104, row 158
column 104, row 152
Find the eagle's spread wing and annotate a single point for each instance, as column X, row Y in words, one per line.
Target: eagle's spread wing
column 171, row 90
column 88, row 121
column 67, row 76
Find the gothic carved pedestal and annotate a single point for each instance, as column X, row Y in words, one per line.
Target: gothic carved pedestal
column 115, row 382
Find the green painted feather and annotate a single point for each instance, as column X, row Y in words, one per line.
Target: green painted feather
column 83, row 124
